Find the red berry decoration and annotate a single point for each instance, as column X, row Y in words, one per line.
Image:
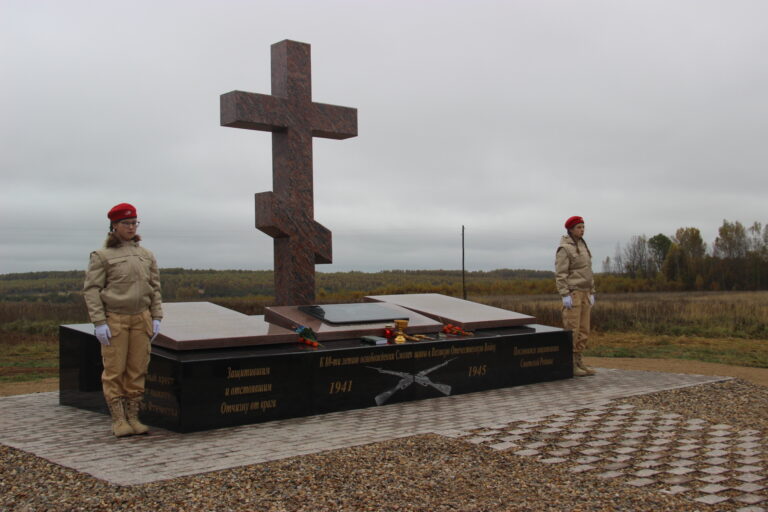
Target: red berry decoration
column 455, row 329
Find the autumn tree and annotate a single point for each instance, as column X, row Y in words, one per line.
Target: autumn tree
column 738, row 261
column 757, row 255
column 757, row 240
column 636, row 257
column 607, row 265
column 618, row 261
column 693, row 249
column 658, row 246
column 731, row 242
column 675, row 264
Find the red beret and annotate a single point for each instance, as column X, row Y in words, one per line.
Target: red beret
column 122, row 211
column 572, row 221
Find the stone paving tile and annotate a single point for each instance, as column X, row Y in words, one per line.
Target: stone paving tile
column 713, row 479
column 610, row 474
column 503, row 446
column 750, row 498
column 567, row 409
column 750, row 477
column 711, row 499
column 641, row 482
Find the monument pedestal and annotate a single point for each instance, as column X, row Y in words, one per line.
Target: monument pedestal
column 234, row 381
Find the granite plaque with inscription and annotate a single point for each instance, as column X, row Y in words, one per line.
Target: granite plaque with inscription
column 226, row 384
column 361, row 324
column 350, row 314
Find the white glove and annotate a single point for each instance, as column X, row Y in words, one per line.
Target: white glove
column 103, row 334
column 568, row 302
column 155, row 329
column 591, row 300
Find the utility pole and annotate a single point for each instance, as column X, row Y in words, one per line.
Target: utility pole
column 463, row 278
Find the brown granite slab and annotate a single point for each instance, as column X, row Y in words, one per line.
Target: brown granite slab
column 451, row 310
column 204, row 325
column 291, row 317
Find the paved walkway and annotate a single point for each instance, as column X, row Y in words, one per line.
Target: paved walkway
column 708, row 463
column 81, row 440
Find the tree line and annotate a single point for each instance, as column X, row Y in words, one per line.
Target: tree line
column 736, row 260
column 189, row 285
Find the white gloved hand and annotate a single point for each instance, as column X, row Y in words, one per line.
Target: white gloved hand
column 568, row 302
column 155, row 329
column 103, row 334
column 591, row 300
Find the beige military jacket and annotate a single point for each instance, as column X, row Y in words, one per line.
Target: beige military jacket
column 573, row 267
column 123, row 280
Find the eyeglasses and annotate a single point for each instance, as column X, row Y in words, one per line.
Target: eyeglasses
column 130, row 223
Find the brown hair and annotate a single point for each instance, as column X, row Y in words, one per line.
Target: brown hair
column 576, row 242
column 114, row 241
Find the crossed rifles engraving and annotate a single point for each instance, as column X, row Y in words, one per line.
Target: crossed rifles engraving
column 406, row 379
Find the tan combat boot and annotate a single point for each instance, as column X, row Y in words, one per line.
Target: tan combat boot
column 578, row 359
column 132, row 413
column 577, row 371
column 120, row 427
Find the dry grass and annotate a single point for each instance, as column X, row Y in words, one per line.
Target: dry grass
column 25, row 357
column 700, row 314
column 732, row 351
column 718, row 327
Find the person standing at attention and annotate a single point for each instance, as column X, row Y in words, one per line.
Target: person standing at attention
column 122, row 293
column 576, row 286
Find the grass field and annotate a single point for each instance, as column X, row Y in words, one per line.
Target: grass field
column 28, row 357
column 718, row 327
column 732, row 351
column 714, row 327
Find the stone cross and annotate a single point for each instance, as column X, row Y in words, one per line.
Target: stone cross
column 287, row 213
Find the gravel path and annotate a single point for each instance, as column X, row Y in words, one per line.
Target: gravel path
column 437, row 473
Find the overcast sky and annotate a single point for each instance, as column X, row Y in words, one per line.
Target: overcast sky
column 506, row 117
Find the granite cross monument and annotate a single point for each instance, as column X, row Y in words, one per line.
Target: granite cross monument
column 212, row 367
column 287, row 213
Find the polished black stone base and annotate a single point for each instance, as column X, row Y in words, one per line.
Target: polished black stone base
column 202, row 389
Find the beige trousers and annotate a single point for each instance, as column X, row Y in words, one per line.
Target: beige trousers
column 126, row 358
column 576, row 319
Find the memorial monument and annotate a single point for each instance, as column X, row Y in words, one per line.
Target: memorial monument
column 287, row 213
column 212, row 367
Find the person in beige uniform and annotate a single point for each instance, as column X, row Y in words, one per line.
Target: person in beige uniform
column 122, row 293
column 576, row 286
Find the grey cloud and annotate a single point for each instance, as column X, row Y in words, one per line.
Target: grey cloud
column 507, row 117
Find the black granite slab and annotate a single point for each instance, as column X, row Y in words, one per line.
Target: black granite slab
column 195, row 390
